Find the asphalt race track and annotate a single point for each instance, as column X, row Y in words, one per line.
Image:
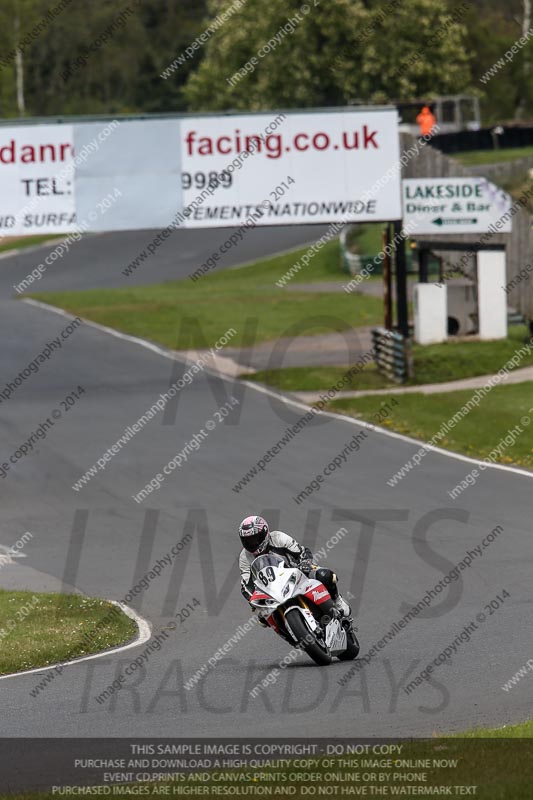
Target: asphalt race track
column 399, row 543
column 98, row 260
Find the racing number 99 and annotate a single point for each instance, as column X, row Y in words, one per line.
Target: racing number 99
column 200, row 180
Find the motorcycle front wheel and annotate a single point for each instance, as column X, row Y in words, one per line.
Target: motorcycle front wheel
column 352, row 650
column 306, row 639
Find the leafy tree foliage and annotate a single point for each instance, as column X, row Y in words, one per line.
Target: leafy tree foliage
column 321, row 53
column 338, row 53
column 64, row 75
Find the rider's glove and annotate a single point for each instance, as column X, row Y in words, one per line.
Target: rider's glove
column 305, row 565
column 246, row 591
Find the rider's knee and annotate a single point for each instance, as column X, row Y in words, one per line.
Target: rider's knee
column 327, row 577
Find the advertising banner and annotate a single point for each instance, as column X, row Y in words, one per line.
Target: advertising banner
column 130, row 176
column 201, row 172
column 292, row 168
column 36, row 180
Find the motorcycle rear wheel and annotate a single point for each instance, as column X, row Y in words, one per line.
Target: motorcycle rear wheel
column 320, row 655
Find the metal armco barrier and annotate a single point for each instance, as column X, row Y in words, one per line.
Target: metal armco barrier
column 351, row 262
column 392, row 354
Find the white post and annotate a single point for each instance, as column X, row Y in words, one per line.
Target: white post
column 431, row 313
column 491, row 297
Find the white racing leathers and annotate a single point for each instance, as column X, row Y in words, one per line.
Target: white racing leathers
column 280, row 543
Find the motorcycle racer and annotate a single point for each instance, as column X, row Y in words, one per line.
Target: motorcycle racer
column 257, row 539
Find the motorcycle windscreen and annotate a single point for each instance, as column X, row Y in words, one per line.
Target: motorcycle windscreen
column 267, row 560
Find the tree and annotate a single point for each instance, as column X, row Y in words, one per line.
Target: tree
column 526, row 60
column 320, row 53
column 13, row 28
column 294, row 73
column 493, row 28
column 65, row 73
column 345, row 52
column 417, row 50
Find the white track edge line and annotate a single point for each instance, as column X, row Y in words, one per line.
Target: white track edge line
column 286, row 252
column 284, row 398
column 19, row 251
column 124, row 336
column 392, row 434
column 143, row 635
column 32, row 249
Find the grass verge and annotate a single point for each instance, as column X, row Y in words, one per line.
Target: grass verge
column 422, row 415
column 524, row 730
column 308, row 379
column 473, row 157
column 186, row 314
column 27, row 241
column 490, row 765
column 368, row 237
column 41, row 629
column 517, row 189
column 436, row 363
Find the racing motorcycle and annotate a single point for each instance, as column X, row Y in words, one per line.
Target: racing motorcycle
column 292, row 604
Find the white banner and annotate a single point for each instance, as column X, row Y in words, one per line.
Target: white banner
column 291, row 168
column 36, row 180
column 212, row 171
column 130, row 176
